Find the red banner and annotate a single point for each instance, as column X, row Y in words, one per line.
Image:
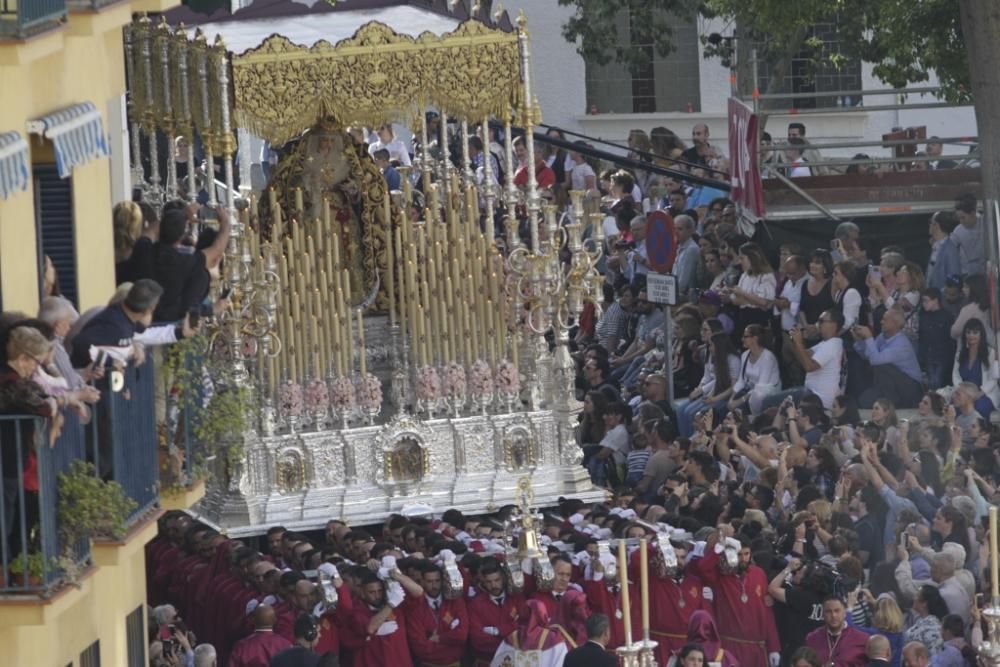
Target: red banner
column 747, row 191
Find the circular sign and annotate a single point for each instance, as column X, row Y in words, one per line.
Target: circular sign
column 661, row 241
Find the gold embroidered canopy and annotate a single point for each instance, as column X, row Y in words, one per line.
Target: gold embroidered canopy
column 375, row 77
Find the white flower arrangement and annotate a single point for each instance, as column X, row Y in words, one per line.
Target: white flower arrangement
column 508, row 380
column 454, row 380
column 317, row 396
column 428, row 383
column 481, row 378
column 290, row 399
column 343, row 393
column 369, row 391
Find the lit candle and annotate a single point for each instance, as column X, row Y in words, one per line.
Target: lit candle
column 644, row 587
column 994, row 554
column 623, row 575
column 361, row 342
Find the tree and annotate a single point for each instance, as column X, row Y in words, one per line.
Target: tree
column 595, row 25
column 906, row 40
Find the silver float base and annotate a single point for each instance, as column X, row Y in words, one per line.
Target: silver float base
column 361, row 475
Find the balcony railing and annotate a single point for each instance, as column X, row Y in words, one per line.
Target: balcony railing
column 29, row 532
column 90, row 5
column 126, row 433
column 23, row 18
column 120, row 440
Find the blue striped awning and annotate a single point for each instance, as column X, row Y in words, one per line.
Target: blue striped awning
column 77, row 134
column 14, row 173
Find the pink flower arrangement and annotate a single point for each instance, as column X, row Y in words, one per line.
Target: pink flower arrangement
column 343, row 393
column 454, row 380
column 428, row 383
column 369, row 391
column 290, row 399
column 508, row 379
column 317, row 396
column 481, row 378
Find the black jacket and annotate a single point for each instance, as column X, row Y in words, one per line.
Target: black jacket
column 590, row 655
column 296, row 656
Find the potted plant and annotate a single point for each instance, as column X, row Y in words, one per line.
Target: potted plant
column 27, row 569
column 90, row 507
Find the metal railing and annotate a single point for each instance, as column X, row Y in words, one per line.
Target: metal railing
column 30, row 540
column 127, row 438
column 91, row 5
column 24, row 18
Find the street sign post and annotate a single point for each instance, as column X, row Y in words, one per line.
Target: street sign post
column 661, row 241
column 661, row 288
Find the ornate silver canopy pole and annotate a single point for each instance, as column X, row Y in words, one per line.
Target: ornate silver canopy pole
column 237, row 254
column 164, row 39
column 185, row 122
column 134, row 107
column 489, row 189
column 155, row 192
column 207, row 130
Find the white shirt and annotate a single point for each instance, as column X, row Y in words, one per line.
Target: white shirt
column 851, row 306
column 397, row 151
column 825, row 381
column 792, row 290
column 762, row 285
column 798, row 169
column 617, row 441
column 762, row 375
column 579, row 174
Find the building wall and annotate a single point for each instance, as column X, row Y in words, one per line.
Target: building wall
column 77, row 63
column 54, row 633
column 560, row 79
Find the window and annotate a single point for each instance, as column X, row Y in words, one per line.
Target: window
column 659, row 85
column 135, row 637
column 812, row 72
column 54, row 218
column 91, row 656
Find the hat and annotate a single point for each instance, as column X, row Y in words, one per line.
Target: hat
column 954, row 280
column 711, row 298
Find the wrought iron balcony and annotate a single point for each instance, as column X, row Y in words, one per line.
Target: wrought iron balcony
column 20, row 19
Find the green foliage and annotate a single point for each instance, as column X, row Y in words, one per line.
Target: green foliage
column 594, row 26
column 90, row 507
column 29, row 565
column 217, row 429
column 904, row 39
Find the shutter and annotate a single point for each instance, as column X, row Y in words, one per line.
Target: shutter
column 91, row 656
column 135, row 636
column 55, row 213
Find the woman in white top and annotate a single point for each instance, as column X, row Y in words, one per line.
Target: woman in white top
column 759, row 376
column 976, row 362
column 754, row 294
column 846, row 297
column 387, row 140
column 581, row 174
column 978, row 307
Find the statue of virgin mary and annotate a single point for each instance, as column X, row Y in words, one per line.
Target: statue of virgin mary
column 327, row 165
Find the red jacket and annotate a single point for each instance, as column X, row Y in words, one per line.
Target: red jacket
column 374, row 650
column 257, row 650
column 332, row 622
column 484, row 613
column 450, row 623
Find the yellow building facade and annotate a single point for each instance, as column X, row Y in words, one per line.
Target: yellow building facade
column 70, row 58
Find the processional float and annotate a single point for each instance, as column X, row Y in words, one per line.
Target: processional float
column 395, row 356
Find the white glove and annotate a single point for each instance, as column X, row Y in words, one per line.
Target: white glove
column 733, row 543
column 629, row 514
column 319, row 609
column 389, row 562
column 527, row 566
column 329, row 569
column 699, row 549
column 384, row 574
column 454, row 623
column 774, row 659
column 576, row 519
column 387, row 628
column 251, row 606
column 463, row 537
column 395, row 595
column 491, row 631
column 446, row 554
column 269, row 600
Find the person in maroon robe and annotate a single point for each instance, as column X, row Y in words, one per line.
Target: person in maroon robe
column 672, row 601
column 301, row 599
column 437, row 628
column 702, row 631
column 334, row 619
column 556, row 606
column 161, row 549
column 836, row 642
column 745, row 622
column 258, row 649
column 492, row 614
column 378, row 622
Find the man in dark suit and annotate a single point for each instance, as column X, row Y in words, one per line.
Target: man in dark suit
column 593, row 653
column 879, row 651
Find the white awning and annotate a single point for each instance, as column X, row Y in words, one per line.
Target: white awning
column 14, row 172
column 77, row 133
